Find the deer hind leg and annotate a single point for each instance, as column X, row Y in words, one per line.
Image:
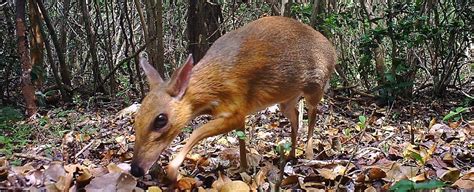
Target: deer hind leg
column 312, row 101
column 288, row 108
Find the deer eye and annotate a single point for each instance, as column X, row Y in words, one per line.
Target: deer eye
column 160, row 121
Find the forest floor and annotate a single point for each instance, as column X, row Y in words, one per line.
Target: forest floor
column 357, row 146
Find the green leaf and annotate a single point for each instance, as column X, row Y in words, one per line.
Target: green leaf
column 432, row 184
column 240, row 134
column 460, row 109
column 449, row 116
column 15, row 162
column 287, row 146
column 456, row 114
column 346, row 131
column 278, row 148
column 457, row 118
column 3, row 139
column 362, row 119
column 417, row 157
column 403, row 185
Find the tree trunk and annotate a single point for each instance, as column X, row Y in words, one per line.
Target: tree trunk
column 286, row 8
column 319, row 7
column 37, row 45
column 202, row 31
column 213, row 20
column 154, row 21
column 132, row 46
column 54, row 68
column 128, row 41
column 108, row 49
column 197, row 35
column 378, row 51
column 8, row 12
column 27, row 87
column 93, row 47
column 64, row 68
column 145, row 35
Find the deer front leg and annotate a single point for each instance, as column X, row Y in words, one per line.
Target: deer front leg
column 215, row 127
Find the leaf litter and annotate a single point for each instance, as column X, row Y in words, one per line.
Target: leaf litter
column 94, row 149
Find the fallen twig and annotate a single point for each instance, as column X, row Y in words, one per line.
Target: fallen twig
column 85, row 148
column 32, row 156
column 305, row 162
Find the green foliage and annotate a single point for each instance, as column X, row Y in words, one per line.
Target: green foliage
column 455, row 115
column 417, row 157
column 468, row 101
column 408, row 37
column 393, row 86
column 283, row 148
column 346, row 132
column 362, row 122
column 407, row 185
column 9, row 115
column 15, row 162
column 38, row 73
column 241, row 135
column 77, row 100
column 188, row 129
column 302, row 11
column 17, row 137
column 124, row 93
column 13, row 136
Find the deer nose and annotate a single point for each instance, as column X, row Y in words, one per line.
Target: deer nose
column 136, row 170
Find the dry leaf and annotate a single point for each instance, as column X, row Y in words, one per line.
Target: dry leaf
column 128, row 111
column 22, row 170
column 419, row 178
column 290, row 180
column 360, row 178
column 253, row 159
column 466, row 181
column 313, row 183
column 397, row 172
column 234, row 186
column 246, row 177
column 112, row 182
column 125, row 167
column 327, row 173
column 99, row 171
column 126, row 182
column 154, row 189
column 84, row 177
column 450, row 174
column 113, row 168
column 187, row 183
column 370, row 189
column 448, row 157
column 54, row 171
column 221, row 180
column 261, row 176
column 230, row 154
column 3, row 169
column 376, row 174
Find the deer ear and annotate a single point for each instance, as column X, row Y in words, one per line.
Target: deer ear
column 154, row 78
column 180, row 79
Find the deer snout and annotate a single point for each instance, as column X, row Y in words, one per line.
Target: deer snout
column 136, row 170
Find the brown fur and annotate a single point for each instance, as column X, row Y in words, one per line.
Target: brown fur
column 271, row 60
column 258, row 68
